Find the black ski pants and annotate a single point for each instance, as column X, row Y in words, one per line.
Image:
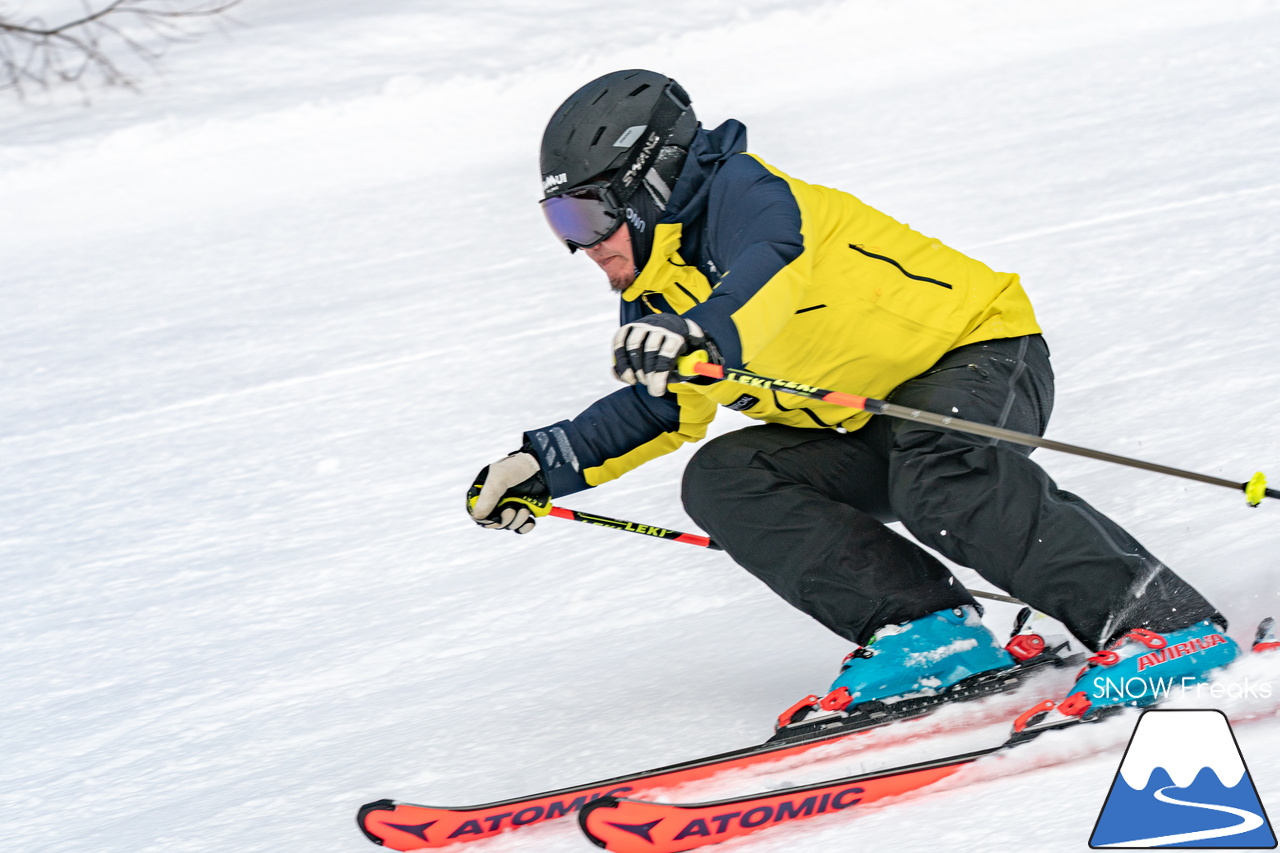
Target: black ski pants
column 804, row 510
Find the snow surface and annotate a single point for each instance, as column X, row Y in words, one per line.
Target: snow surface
column 264, row 320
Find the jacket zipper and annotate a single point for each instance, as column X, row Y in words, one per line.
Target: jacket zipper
column 901, row 269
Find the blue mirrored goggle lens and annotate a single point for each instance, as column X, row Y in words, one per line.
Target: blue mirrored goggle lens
column 582, row 218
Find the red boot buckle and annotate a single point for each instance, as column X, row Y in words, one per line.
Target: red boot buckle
column 1024, row 719
column 1076, row 705
column 1025, row 646
column 1150, row 639
column 784, row 719
column 836, row 700
column 1103, row 658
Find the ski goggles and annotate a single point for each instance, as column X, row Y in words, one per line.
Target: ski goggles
column 584, row 216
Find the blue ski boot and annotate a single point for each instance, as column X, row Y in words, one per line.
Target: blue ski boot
column 1141, row 668
column 919, row 658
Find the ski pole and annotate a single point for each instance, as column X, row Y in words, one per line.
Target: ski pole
column 693, row 365
column 694, row 539
column 542, row 507
column 632, row 527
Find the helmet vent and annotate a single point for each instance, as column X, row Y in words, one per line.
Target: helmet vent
column 602, row 127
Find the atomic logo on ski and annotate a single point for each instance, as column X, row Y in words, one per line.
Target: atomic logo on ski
column 643, row 830
column 1183, row 783
column 419, row 830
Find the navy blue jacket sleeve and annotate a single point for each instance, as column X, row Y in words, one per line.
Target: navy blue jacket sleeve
column 628, row 418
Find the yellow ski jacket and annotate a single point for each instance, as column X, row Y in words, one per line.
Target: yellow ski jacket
column 791, row 280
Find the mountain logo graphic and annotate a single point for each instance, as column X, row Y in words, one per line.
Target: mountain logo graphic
column 1183, row 783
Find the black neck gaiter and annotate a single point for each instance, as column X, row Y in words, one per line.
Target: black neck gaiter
column 642, row 215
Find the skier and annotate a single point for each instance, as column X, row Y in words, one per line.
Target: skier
column 714, row 250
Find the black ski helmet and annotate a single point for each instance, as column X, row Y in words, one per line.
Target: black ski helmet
column 625, row 130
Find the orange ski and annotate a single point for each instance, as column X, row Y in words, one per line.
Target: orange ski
column 408, row 826
column 404, row 826
column 633, row 826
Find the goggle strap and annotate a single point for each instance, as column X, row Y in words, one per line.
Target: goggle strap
column 644, row 153
column 659, row 188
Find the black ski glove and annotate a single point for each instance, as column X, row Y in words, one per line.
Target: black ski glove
column 645, row 351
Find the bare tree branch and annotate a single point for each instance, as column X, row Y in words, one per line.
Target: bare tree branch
column 94, row 45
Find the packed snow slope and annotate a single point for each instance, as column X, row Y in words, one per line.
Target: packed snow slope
column 264, row 319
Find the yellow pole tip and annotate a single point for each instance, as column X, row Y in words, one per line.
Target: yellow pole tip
column 1256, row 489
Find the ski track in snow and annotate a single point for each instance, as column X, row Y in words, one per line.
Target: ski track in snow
column 264, row 321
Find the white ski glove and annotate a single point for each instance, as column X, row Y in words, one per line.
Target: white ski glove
column 514, row 482
column 645, row 351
